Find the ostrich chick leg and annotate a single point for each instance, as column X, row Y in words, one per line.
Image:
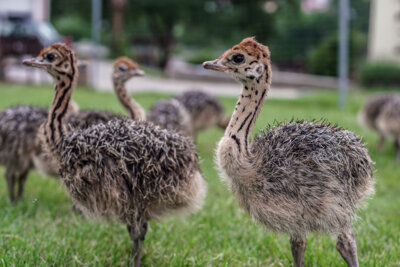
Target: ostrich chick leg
column 137, row 241
column 346, row 245
column 10, row 178
column 397, row 149
column 298, row 246
column 21, row 183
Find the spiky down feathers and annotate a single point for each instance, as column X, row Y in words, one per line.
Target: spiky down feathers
column 306, row 177
column 85, row 118
column 372, row 109
column 129, row 170
column 18, row 136
column 171, row 115
column 205, row 109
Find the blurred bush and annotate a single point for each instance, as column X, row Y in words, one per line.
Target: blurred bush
column 383, row 74
column 73, row 25
column 296, row 36
column 201, row 55
column 322, row 60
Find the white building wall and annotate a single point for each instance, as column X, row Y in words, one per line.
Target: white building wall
column 38, row 9
column 384, row 35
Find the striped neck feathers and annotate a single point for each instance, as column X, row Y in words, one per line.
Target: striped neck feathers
column 247, row 109
column 135, row 110
column 65, row 84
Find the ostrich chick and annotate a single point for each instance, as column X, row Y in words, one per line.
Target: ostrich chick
column 370, row 112
column 388, row 123
column 20, row 145
column 123, row 70
column 205, row 109
column 171, row 115
column 294, row 178
column 124, row 170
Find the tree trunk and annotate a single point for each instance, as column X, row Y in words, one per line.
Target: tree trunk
column 117, row 24
column 162, row 31
column 2, row 66
column 166, row 44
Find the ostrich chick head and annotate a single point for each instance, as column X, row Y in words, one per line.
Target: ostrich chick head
column 57, row 59
column 246, row 61
column 124, row 69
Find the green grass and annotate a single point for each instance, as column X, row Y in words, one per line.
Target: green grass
column 42, row 230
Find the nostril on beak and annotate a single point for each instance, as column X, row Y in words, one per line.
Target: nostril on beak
column 209, row 64
column 26, row 62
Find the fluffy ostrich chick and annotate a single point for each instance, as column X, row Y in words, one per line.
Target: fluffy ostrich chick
column 124, row 170
column 294, row 178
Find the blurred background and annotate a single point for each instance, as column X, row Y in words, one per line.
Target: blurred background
column 171, row 38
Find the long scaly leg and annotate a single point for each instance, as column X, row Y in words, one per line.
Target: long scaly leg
column 346, row 245
column 381, row 143
column 21, row 183
column 10, row 178
column 137, row 237
column 397, row 149
column 298, row 246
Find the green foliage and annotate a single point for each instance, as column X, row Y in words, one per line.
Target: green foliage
column 382, row 74
column 42, row 230
column 199, row 56
column 164, row 23
column 71, row 18
column 73, row 26
column 323, row 59
column 296, row 36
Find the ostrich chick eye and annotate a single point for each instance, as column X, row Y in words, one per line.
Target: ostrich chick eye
column 123, row 69
column 238, row 58
column 50, row 57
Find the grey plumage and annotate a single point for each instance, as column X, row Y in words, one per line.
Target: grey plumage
column 125, row 170
column 44, row 161
column 131, row 171
column 294, row 178
column 205, row 109
column 171, row 115
column 368, row 116
column 189, row 113
column 123, row 70
column 85, row 118
column 388, row 123
column 18, row 131
column 372, row 108
column 319, row 173
column 20, row 147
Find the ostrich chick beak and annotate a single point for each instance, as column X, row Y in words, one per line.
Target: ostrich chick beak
column 137, row 72
column 34, row 62
column 214, row 65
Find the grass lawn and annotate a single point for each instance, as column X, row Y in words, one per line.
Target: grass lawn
column 42, row 230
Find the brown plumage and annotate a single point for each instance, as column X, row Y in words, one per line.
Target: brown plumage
column 170, row 114
column 388, row 123
column 189, row 113
column 123, row 70
column 85, row 118
column 125, row 170
column 18, row 130
column 294, row 178
column 205, row 109
column 370, row 112
column 19, row 146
